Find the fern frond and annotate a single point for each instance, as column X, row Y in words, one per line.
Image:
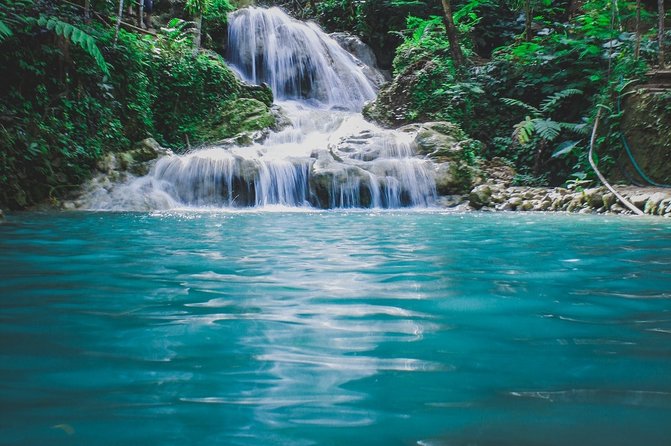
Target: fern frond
column 553, row 100
column 523, row 131
column 578, row 128
column 4, row 31
column 76, row 36
column 517, row 103
column 547, row 128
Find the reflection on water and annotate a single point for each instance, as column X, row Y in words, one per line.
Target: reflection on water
column 331, row 328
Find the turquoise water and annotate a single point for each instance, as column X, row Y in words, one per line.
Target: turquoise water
column 334, row 328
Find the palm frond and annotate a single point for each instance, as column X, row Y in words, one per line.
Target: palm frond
column 76, row 36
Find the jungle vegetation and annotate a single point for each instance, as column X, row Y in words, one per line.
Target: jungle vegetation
column 81, row 78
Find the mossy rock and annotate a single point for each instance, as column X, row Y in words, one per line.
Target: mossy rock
column 645, row 123
column 240, row 115
column 393, row 106
column 261, row 93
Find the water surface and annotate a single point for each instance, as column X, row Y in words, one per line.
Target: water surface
column 334, row 328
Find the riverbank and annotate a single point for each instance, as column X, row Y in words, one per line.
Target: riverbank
column 595, row 200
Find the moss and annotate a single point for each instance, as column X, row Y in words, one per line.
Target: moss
column 645, row 124
column 238, row 116
column 261, row 93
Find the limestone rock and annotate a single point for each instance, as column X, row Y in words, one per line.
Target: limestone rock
column 653, row 202
column 391, row 108
column 480, row 196
column 594, row 197
column 355, row 46
column 364, row 54
column 438, row 140
column 639, row 200
column 608, row 200
column 241, row 115
column 515, row 201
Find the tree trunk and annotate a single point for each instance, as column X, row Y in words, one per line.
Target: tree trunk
column 87, row 10
column 660, row 33
column 527, row 20
column 197, row 33
column 455, row 49
column 637, row 49
column 119, row 17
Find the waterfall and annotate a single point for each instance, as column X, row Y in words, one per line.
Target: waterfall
column 330, row 157
column 296, row 59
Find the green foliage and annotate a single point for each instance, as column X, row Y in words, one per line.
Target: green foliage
column 4, row 31
column 377, row 22
column 532, row 102
column 59, row 114
column 197, row 7
column 76, row 36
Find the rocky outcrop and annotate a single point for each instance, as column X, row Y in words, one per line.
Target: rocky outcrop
column 452, row 152
column 240, row 116
column 134, row 161
column 114, row 168
column 356, row 47
column 496, row 196
column 391, row 108
column 645, row 124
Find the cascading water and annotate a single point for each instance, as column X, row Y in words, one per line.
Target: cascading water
column 330, row 157
column 297, row 60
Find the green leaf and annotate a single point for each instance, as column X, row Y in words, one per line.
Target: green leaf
column 523, row 131
column 553, row 100
column 565, row 148
column 76, row 36
column 517, row 103
column 4, row 31
column 547, row 128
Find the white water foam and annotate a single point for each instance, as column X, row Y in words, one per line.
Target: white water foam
column 329, row 157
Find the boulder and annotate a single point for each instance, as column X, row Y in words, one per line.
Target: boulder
column 392, row 107
column 364, row 55
column 261, row 93
column 355, row 46
column 608, row 199
column 135, row 161
column 480, row 196
column 453, row 178
column 515, row 201
column 653, row 202
column 594, row 197
column 239, row 116
column 329, row 177
column 639, row 200
column 439, row 141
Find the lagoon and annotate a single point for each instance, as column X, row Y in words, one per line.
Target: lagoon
column 264, row 327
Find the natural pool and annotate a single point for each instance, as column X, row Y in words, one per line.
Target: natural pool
column 334, row 328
